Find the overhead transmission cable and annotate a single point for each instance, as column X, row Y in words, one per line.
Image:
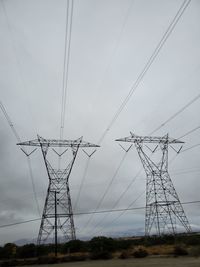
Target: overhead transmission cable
column 105, row 73
column 178, row 113
column 90, row 212
column 150, row 61
column 148, row 64
column 121, row 213
column 130, row 184
column 27, row 155
column 107, row 188
column 6, row 115
column 14, row 50
column 10, row 122
column 67, row 49
column 189, row 148
column 108, row 66
column 133, row 180
column 82, row 183
column 124, row 192
column 119, row 198
column 188, row 133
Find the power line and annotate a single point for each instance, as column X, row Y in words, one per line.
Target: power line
column 82, row 182
column 147, row 66
column 17, row 223
column 84, row 175
column 185, row 172
column 121, row 195
column 178, row 113
column 105, row 73
column 117, row 42
column 135, row 85
column 133, row 208
column 6, row 114
column 191, row 131
column 133, row 180
column 91, row 212
column 64, row 70
column 14, row 50
column 10, row 122
column 107, row 188
column 68, row 33
column 186, row 134
column 189, row 148
column 119, row 198
column 150, row 61
column 116, row 218
column 28, row 158
column 33, row 185
column 131, row 204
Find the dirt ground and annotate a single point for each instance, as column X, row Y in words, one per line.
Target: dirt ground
column 145, row 262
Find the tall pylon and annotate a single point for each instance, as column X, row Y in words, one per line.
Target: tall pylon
column 163, row 206
column 57, row 218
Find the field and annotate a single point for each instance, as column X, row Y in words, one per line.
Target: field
column 145, row 262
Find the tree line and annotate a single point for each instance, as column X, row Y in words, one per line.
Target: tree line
column 96, row 246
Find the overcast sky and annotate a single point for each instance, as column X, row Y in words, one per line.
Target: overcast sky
column 111, row 43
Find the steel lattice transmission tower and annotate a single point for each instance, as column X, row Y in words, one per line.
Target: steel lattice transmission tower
column 57, row 215
column 163, row 206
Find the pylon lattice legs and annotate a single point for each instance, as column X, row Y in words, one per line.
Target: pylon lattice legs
column 58, row 195
column 163, row 207
column 57, row 214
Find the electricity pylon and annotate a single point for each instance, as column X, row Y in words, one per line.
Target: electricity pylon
column 57, row 214
column 163, row 206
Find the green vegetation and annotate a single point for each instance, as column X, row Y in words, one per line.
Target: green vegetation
column 101, row 248
column 140, row 253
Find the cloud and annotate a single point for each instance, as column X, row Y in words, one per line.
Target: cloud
column 31, row 71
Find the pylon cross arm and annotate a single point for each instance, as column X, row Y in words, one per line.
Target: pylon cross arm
column 57, row 143
column 149, row 139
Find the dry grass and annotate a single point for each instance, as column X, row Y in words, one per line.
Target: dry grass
column 161, row 250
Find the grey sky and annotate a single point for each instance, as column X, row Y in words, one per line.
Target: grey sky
column 111, row 42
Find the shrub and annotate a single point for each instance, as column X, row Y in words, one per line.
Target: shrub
column 194, row 251
column 140, row 253
column 124, row 255
column 123, row 244
column 42, row 250
column 26, row 251
column 47, row 260
column 101, row 243
column 73, row 246
column 1, row 253
column 77, row 257
column 180, row 251
column 192, row 240
column 103, row 255
column 9, row 251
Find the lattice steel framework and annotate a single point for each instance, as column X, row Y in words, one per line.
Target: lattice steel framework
column 57, row 215
column 163, row 206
